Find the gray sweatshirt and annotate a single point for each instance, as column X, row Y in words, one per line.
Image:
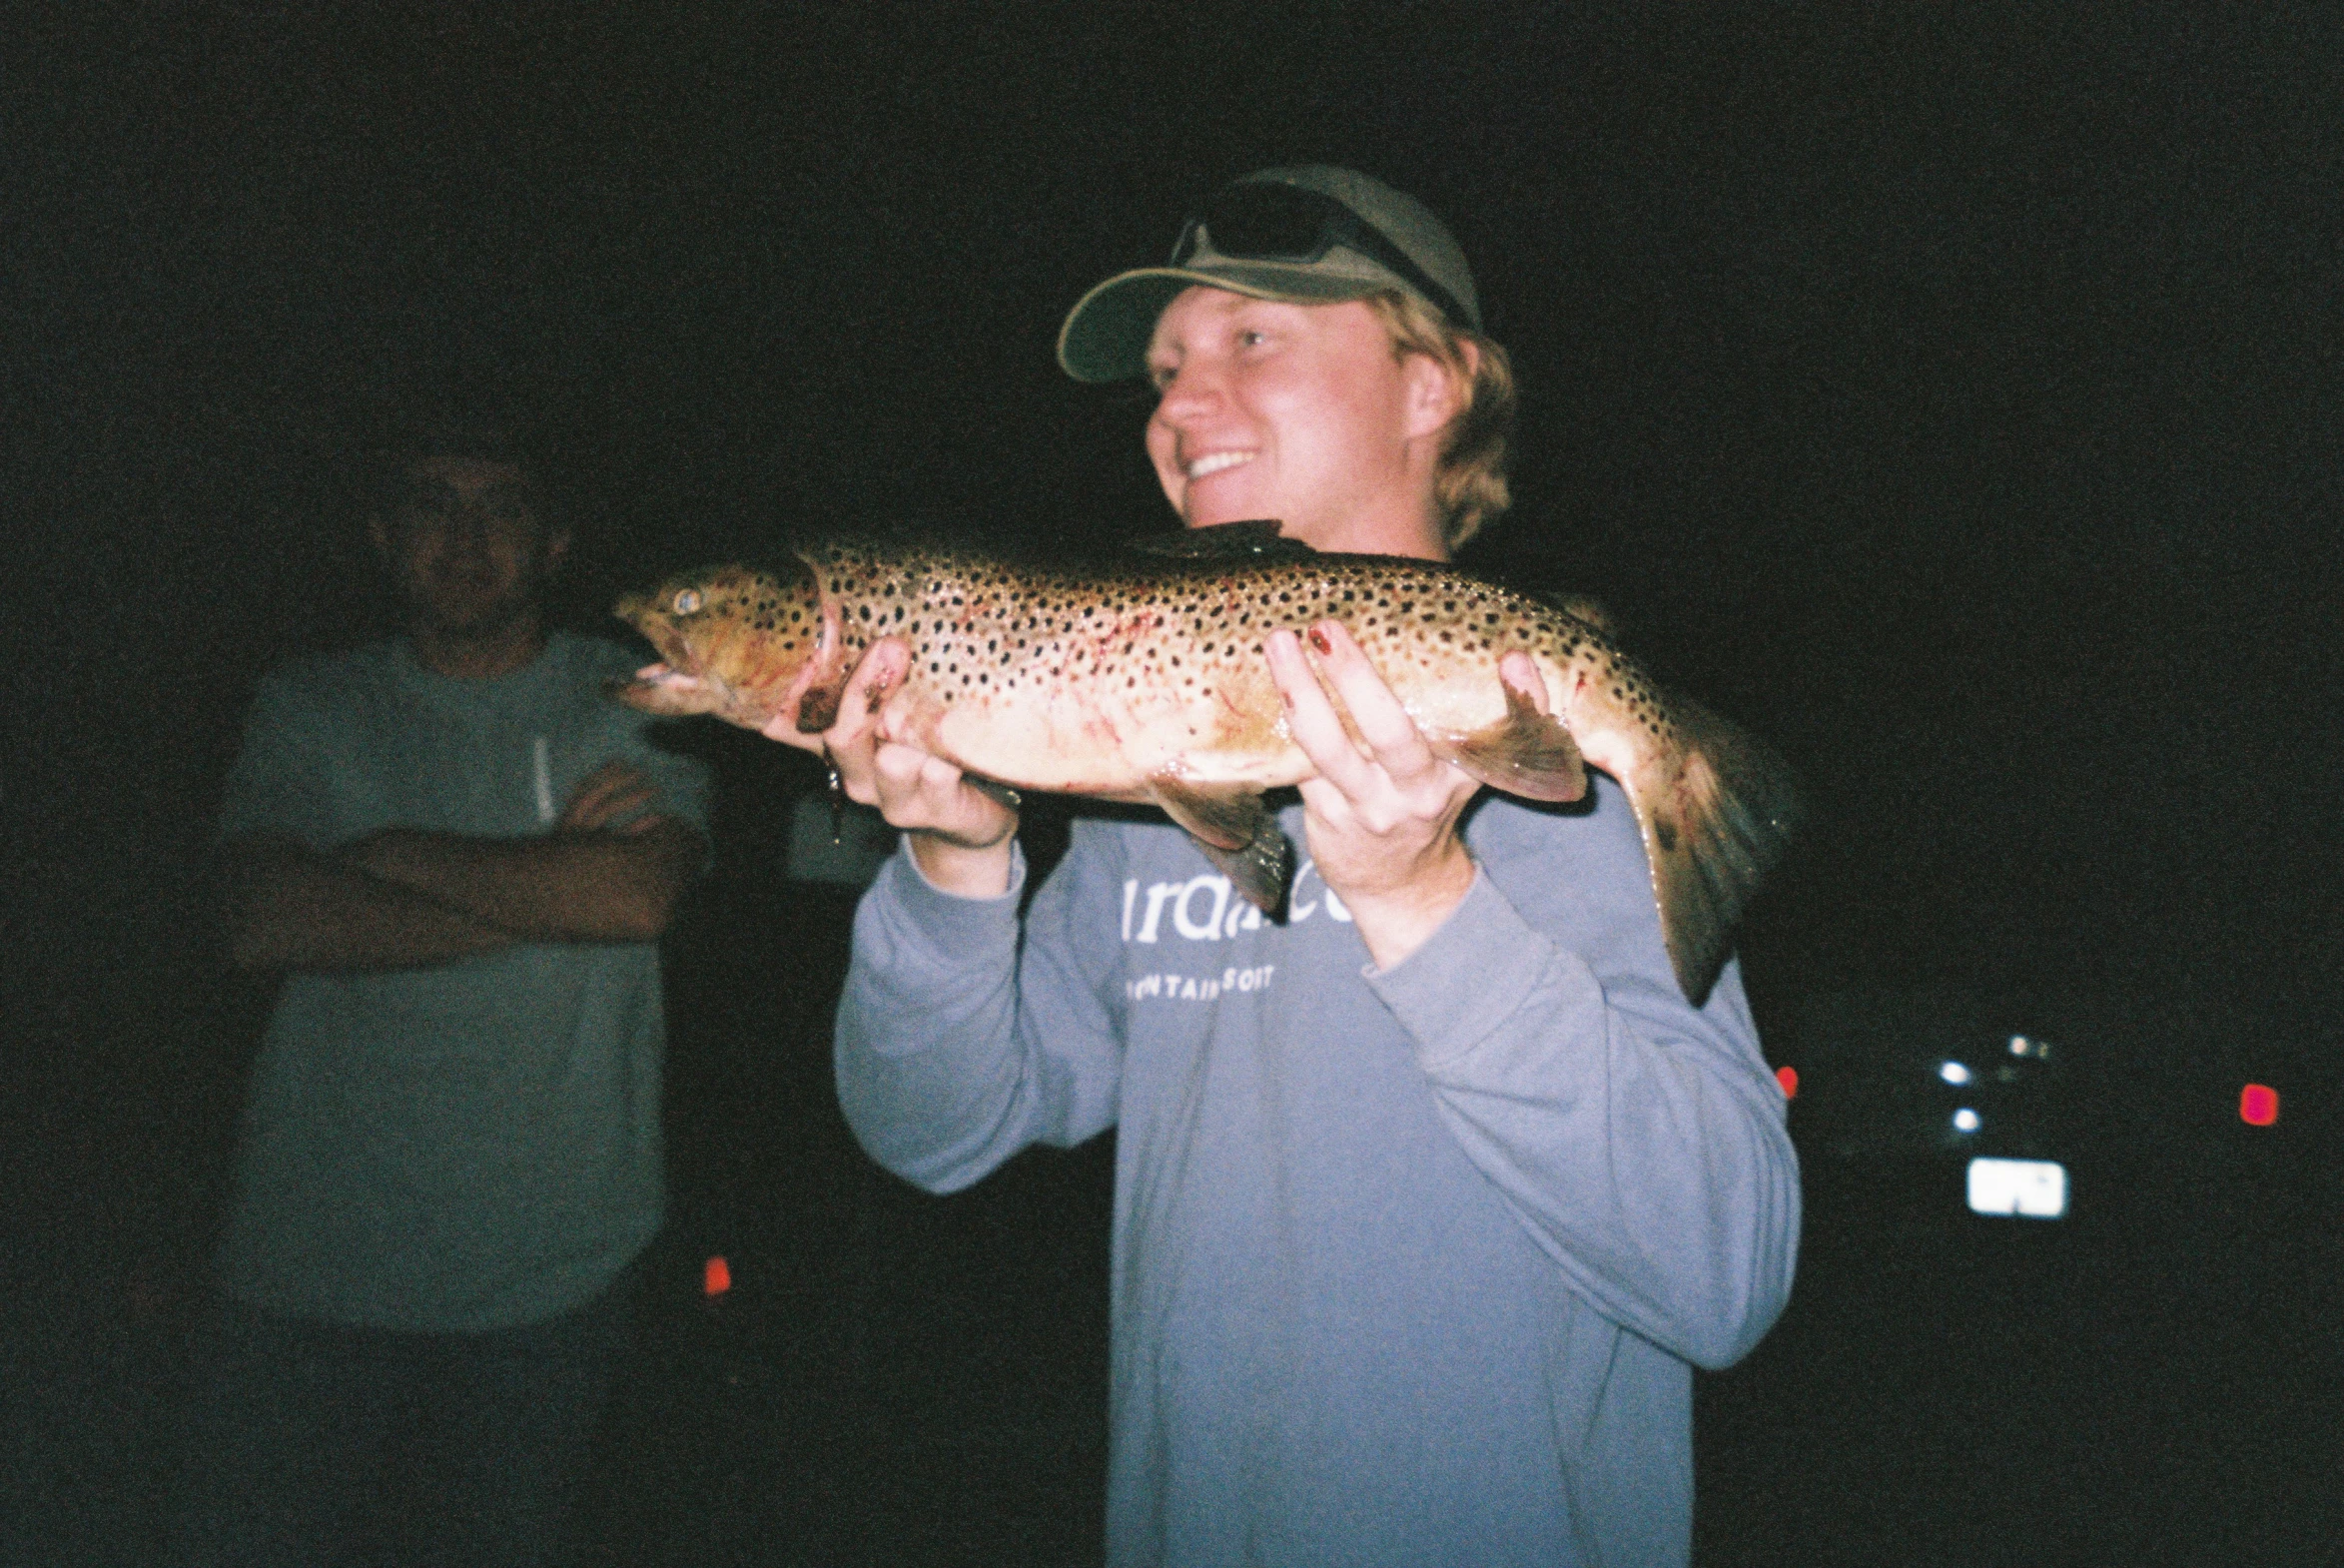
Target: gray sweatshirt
column 1409, row 1267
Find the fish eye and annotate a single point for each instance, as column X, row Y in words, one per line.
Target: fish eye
column 688, row 602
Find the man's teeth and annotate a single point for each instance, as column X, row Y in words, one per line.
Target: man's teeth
column 1217, row 462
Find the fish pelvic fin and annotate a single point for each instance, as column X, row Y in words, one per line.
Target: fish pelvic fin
column 1526, row 753
column 1715, row 823
column 1236, row 833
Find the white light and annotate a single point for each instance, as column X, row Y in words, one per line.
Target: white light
column 2035, row 1188
column 1965, row 1120
column 2017, row 1044
column 1953, row 1073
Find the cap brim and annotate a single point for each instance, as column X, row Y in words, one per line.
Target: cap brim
column 1105, row 335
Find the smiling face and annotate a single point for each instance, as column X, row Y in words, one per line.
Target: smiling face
column 468, row 547
column 1301, row 413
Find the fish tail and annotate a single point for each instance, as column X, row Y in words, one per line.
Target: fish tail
column 1717, row 814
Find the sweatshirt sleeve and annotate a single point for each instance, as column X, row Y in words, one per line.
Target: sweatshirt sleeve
column 964, row 1034
column 1640, row 1139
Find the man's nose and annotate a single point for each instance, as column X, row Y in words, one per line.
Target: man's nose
column 1194, row 388
column 468, row 526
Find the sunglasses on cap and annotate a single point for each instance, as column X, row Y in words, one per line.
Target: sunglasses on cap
column 1262, row 221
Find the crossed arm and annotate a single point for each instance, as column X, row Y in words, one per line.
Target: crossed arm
column 406, row 899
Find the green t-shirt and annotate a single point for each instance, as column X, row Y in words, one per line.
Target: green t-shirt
column 475, row 1144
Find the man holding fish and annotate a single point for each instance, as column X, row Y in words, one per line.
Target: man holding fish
column 1430, row 1195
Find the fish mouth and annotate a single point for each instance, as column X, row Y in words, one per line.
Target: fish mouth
column 672, row 679
column 670, row 693
column 663, row 635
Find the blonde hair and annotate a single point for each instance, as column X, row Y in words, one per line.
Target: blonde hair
column 1469, row 485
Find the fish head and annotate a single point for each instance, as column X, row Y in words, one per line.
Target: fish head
column 733, row 641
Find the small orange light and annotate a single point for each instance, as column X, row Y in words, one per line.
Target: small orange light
column 1788, row 1077
column 2258, row 1104
column 717, row 1278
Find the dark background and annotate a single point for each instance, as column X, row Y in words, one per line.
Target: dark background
column 1950, row 393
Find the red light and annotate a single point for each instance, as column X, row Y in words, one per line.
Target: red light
column 2258, row 1104
column 1788, row 1077
column 717, row 1278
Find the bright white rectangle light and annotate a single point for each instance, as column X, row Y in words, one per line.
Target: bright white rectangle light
column 2034, row 1188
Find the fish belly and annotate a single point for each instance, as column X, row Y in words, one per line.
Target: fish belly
column 1089, row 742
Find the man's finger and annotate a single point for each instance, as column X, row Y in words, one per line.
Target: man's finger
column 620, row 785
column 866, row 690
column 611, row 775
column 1375, row 713
column 620, row 802
column 1311, row 718
column 1520, row 672
column 610, row 790
column 853, row 735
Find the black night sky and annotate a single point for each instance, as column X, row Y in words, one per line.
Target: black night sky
column 1953, row 401
column 1949, row 393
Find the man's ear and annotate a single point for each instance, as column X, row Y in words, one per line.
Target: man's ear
column 1437, row 393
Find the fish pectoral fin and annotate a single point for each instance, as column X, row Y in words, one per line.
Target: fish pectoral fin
column 818, row 707
column 1712, row 827
column 1526, row 753
column 1236, row 833
column 658, row 689
column 825, row 685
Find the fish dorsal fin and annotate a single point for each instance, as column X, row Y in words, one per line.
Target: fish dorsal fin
column 1526, row 753
column 1236, row 833
column 1587, row 608
column 1258, row 540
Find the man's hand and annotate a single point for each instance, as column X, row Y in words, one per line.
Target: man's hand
column 960, row 835
column 1381, row 817
column 612, row 797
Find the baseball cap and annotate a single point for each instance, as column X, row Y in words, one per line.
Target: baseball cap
column 1311, row 234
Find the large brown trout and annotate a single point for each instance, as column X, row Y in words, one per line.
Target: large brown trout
column 1147, row 682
